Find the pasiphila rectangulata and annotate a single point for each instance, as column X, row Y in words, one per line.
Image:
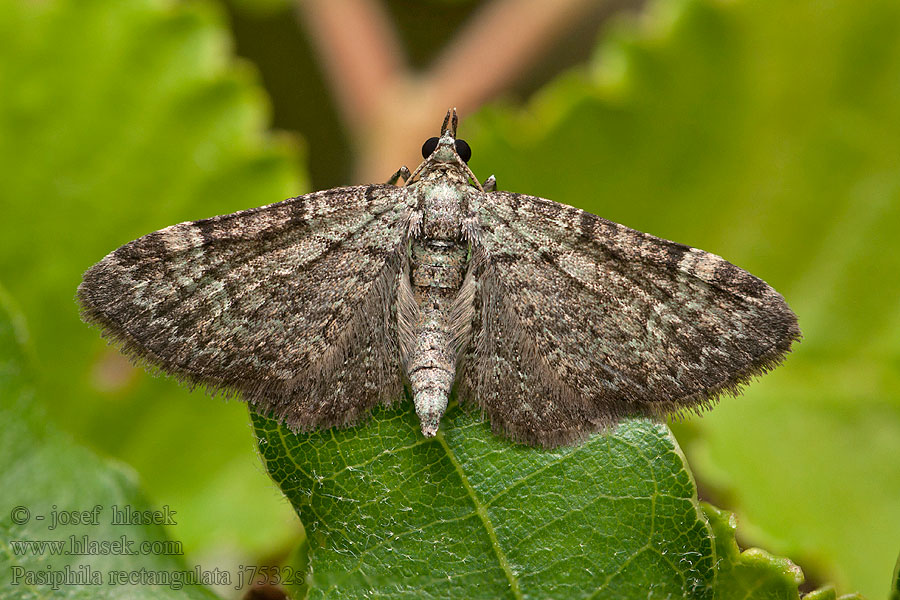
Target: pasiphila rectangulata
column 553, row 322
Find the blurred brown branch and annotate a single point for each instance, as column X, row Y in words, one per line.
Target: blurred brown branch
column 391, row 110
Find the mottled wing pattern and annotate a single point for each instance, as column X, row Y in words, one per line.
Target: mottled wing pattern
column 580, row 321
column 289, row 305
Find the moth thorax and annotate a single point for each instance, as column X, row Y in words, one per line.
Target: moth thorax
column 444, row 207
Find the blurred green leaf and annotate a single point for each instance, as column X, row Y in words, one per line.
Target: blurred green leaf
column 895, row 582
column 390, row 514
column 44, row 470
column 120, row 118
column 765, row 132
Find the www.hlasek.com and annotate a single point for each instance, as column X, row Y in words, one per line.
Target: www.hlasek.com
column 84, row 545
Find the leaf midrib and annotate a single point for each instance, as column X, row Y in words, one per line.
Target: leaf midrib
column 481, row 511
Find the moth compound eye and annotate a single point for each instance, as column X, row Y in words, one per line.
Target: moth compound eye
column 462, row 148
column 429, row 146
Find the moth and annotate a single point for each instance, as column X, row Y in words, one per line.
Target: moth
column 551, row 321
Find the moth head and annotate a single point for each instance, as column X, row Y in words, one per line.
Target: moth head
column 446, row 148
column 446, row 152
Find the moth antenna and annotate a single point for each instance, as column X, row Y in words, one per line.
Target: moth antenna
column 450, row 122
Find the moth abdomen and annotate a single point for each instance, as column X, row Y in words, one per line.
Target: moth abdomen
column 437, row 269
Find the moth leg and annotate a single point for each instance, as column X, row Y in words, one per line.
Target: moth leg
column 401, row 172
column 490, row 184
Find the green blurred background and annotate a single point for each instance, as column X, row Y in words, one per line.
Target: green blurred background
column 765, row 131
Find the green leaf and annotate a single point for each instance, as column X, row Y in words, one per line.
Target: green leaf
column 754, row 574
column 390, row 514
column 120, row 118
column 44, row 471
column 763, row 131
